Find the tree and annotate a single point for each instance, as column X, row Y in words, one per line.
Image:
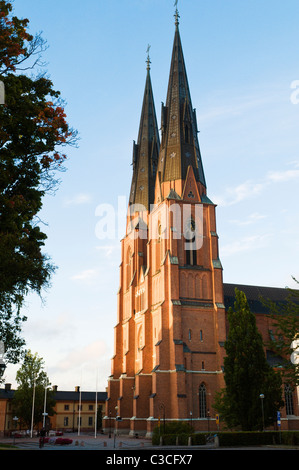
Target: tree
column 284, row 339
column 33, row 382
column 33, row 133
column 247, row 373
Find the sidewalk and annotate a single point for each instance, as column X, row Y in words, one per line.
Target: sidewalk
column 82, row 442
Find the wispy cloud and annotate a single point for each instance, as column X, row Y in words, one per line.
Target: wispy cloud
column 250, row 189
column 83, row 355
column 85, row 275
column 238, row 193
column 78, row 199
column 109, row 250
column 251, row 219
column 238, row 108
column 278, row 177
column 245, row 244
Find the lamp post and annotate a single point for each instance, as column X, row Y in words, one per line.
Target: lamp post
column 109, row 424
column 115, row 424
column 44, row 419
column 32, row 413
column 2, row 363
column 262, row 396
column 45, row 405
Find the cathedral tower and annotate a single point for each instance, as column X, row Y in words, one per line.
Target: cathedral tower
column 170, row 329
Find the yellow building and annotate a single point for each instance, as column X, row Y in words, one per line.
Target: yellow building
column 74, row 410
column 77, row 410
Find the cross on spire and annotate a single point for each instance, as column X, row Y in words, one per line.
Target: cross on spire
column 148, row 61
column 176, row 15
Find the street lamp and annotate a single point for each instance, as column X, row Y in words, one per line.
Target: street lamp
column 44, row 419
column 45, row 404
column 262, row 396
column 109, row 424
column 2, row 363
column 115, row 424
column 32, row 412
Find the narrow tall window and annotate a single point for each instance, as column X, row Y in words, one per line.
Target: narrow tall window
column 159, row 247
column 202, row 401
column 187, row 134
column 190, row 244
column 288, row 395
column 128, row 268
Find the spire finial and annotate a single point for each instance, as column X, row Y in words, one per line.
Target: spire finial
column 148, row 61
column 176, row 15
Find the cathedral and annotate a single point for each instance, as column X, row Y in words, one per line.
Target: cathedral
column 171, row 311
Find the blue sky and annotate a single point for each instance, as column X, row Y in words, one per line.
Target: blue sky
column 242, row 59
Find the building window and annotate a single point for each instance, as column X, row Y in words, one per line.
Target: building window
column 202, row 401
column 201, row 335
column 65, row 421
column 90, row 407
column 90, row 421
column 190, row 244
column 66, row 407
column 189, row 335
column 186, row 134
column 159, row 247
column 128, row 268
column 288, row 395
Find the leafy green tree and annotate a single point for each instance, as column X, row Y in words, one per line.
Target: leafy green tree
column 32, row 382
column 284, row 339
column 247, row 374
column 33, row 133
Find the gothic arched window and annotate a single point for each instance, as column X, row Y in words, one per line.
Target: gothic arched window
column 288, row 395
column 128, row 267
column 190, row 243
column 202, row 401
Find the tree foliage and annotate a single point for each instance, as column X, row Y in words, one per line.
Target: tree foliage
column 33, row 134
column 247, row 373
column 284, row 339
column 32, row 382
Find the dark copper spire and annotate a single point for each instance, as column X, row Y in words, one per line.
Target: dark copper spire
column 179, row 145
column 146, row 151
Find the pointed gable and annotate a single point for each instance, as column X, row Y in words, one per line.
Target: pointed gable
column 190, row 191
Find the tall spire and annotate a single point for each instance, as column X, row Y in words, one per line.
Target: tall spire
column 146, row 151
column 179, row 146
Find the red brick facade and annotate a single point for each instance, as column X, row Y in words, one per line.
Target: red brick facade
column 171, row 324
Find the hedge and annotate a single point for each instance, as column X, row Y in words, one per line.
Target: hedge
column 229, row 439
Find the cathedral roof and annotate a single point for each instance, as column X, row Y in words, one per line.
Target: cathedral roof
column 146, row 151
column 254, row 295
column 179, row 146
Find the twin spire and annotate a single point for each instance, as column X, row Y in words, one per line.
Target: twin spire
column 179, row 147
